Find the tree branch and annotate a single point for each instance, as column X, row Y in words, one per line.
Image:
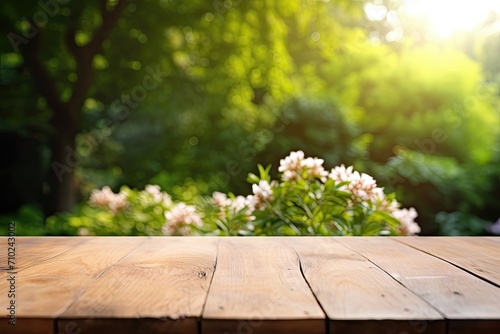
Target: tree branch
column 84, row 55
column 109, row 19
column 76, row 12
column 43, row 81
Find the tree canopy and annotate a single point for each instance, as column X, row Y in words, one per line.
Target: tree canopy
column 190, row 94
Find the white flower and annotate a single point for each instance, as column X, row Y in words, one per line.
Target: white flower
column 341, row 174
column 158, row 195
column 408, row 225
column 233, row 205
column 238, row 204
column 155, row 191
column 101, row 197
column 291, row 166
column 360, row 185
column 118, row 203
column 106, row 197
column 180, row 216
column 262, row 190
column 166, row 199
column 220, row 199
column 262, row 194
column 381, row 202
column 314, row 168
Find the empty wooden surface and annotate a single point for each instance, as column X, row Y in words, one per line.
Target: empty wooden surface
column 253, row 285
column 454, row 292
column 258, row 285
column 482, row 257
column 350, row 288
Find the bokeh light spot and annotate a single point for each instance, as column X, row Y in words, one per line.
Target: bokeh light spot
column 315, row 36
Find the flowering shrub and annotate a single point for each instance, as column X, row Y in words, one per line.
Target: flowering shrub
column 306, row 200
column 130, row 212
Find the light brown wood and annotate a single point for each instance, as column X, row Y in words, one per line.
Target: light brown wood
column 493, row 239
column 477, row 255
column 165, row 278
column 454, row 292
column 45, row 290
column 31, row 251
column 259, row 285
column 351, row 288
column 256, row 286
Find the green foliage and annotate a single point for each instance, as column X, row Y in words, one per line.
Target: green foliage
column 248, row 81
column 310, row 207
column 137, row 213
column 459, row 224
column 306, row 201
column 28, row 221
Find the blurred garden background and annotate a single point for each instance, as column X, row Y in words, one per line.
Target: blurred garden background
column 191, row 95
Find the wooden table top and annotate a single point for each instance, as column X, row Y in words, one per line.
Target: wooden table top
column 246, row 285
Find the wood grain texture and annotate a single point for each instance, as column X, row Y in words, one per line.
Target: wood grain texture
column 33, row 251
column 493, row 239
column 350, row 288
column 454, row 292
column 47, row 289
column 475, row 254
column 258, row 283
column 166, row 278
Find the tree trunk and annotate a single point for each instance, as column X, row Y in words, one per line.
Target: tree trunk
column 66, row 120
column 63, row 191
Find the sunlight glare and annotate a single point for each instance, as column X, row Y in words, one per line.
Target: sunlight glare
column 448, row 16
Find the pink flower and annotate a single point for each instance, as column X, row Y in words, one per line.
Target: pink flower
column 158, row 195
column 179, row 217
column 107, row 198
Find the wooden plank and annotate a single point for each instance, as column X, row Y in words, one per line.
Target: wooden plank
column 357, row 296
column 472, row 326
column 126, row 325
column 19, row 241
column 160, row 287
column 387, row 326
column 28, row 326
column 47, row 289
column 33, row 251
column 475, row 254
column 493, row 239
column 258, row 288
column 457, row 294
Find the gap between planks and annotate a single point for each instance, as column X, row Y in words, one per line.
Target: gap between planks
column 160, row 286
column 485, row 266
column 257, row 287
column 464, row 299
column 356, row 295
